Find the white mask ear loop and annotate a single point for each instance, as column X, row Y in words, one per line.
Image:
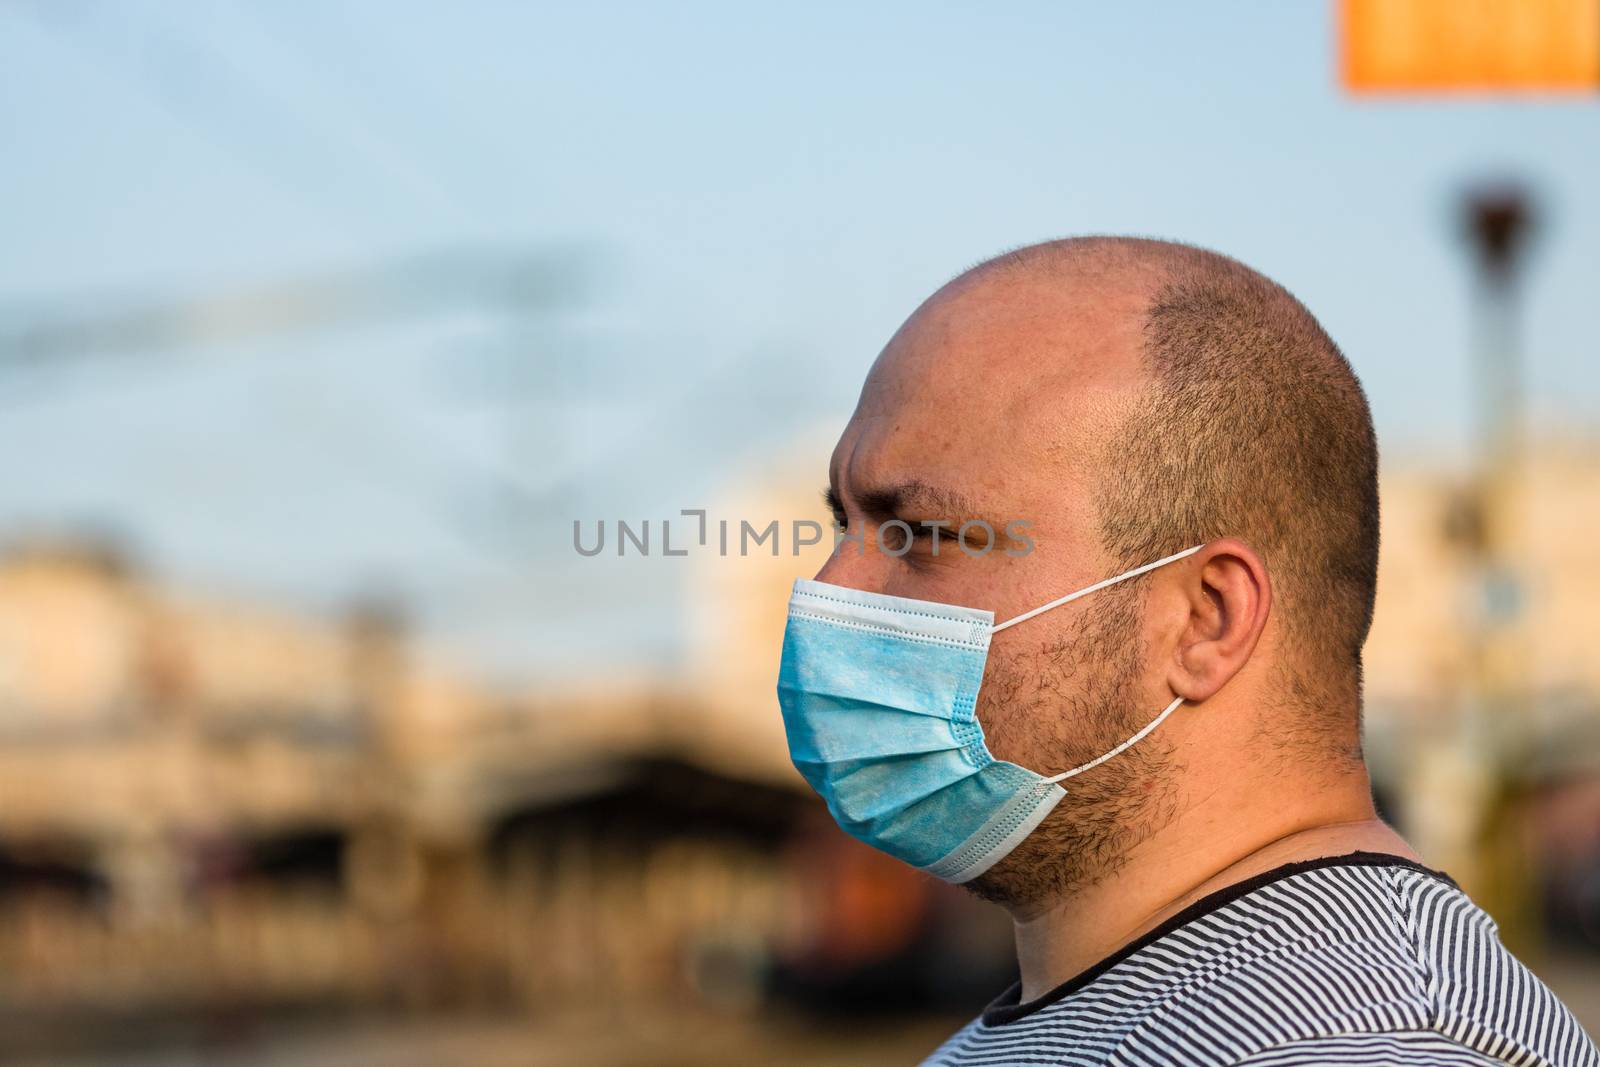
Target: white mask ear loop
column 1120, row 749
column 1096, row 587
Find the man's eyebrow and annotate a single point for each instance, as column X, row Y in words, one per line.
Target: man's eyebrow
column 918, row 498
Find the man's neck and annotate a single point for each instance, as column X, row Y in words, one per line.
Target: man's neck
column 1193, row 856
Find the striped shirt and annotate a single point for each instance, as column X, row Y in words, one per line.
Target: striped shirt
column 1361, row 959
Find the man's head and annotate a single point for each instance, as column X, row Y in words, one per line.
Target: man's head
column 1128, row 399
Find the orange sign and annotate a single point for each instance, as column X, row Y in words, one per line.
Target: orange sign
column 1421, row 46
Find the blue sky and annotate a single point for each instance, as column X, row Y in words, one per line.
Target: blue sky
column 756, row 197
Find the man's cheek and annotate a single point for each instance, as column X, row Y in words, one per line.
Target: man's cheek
column 1006, row 706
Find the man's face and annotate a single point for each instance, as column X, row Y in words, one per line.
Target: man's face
column 993, row 403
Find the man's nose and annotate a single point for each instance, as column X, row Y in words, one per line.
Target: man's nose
column 854, row 568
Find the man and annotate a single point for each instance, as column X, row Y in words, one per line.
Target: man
column 1159, row 776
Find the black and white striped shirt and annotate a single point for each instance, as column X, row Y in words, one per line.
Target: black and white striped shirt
column 1362, row 959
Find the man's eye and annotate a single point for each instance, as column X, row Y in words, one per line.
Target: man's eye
column 897, row 537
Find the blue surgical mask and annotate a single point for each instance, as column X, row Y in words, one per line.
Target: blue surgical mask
column 879, row 697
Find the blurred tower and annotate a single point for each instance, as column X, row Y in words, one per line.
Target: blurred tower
column 1475, row 780
column 376, row 633
column 382, row 867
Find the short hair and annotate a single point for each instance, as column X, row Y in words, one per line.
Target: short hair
column 1254, row 426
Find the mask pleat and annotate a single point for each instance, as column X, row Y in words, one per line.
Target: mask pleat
column 824, row 733
column 864, row 795
column 832, row 663
column 961, row 806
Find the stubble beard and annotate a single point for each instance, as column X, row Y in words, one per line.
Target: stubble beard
column 1054, row 707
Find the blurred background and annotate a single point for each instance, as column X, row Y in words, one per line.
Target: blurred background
column 376, row 380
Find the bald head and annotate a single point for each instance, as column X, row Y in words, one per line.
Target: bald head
column 1162, row 396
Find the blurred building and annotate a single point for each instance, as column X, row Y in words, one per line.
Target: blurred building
column 209, row 806
column 1499, row 788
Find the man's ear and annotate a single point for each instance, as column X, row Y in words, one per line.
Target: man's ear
column 1228, row 596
